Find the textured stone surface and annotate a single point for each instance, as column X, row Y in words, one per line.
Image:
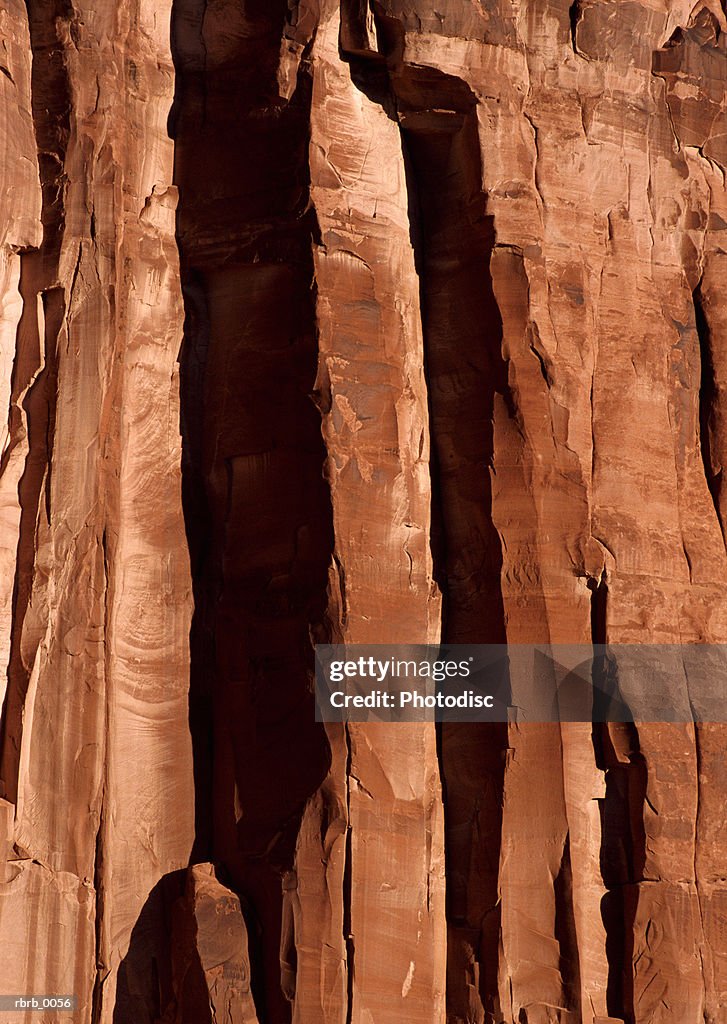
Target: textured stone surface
column 364, row 321
column 95, row 752
column 211, row 967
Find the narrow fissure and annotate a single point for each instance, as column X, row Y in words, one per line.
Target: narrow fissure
column 603, row 675
column 30, row 377
column 623, row 837
column 197, row 515
column 565, row 931
column 348, row 939
column 708, row 398
column 96, row 1005
column 575, row 13
column 34, row 381
column 257, row 507
column 100, row 965
column 623, row 856
column 452, row 236
column 599, row 610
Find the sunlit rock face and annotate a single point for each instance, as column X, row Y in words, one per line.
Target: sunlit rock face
column 361, row 322
column 95, row 606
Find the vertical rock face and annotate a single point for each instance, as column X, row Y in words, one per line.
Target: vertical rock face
column 337, row 320
column 96, row 760
column 210, row 954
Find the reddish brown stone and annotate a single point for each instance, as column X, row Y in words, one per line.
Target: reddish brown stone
column 338, row 320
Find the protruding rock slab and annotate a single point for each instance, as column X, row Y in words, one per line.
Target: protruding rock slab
column 212, row 968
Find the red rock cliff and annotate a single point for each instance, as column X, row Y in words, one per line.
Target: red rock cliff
column 365, row 322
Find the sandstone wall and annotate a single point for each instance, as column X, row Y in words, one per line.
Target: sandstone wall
column 366, row 322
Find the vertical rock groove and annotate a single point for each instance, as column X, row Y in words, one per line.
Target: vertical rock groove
column 347, row 894
column 257, row 506
column 623, row 838
column 453, row 240
column 406, row 324
column 708, row 407
column 599, row 610
column 564, row 928
column 193, row 363
column 34, row 383
column 622, row 859
column 452, row 237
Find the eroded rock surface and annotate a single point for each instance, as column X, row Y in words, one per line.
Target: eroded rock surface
column 211, row 967
column 338, row 320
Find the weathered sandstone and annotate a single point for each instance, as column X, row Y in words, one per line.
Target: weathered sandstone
column 337, row 320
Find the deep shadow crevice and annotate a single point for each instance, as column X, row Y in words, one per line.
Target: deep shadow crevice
column 623, row 836
column 708, row 400
column 35, row 372
column 452, row 235
column 453, row 238
column 257, row 507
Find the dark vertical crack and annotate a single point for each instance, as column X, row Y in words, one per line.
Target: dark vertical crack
column 615, row 856
column 54, row 313
column 100, row 972
column 101, row 965
column 453, row 236
column 192, row 369
column 97, row 885
column 599, row 610
column 623, row 836
column 348, row 938
column 708, row 401
column 34, row 381
column 565, row 931
column 575, row 13
column 603, row 668
column 623, row 857
column 257, row 506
